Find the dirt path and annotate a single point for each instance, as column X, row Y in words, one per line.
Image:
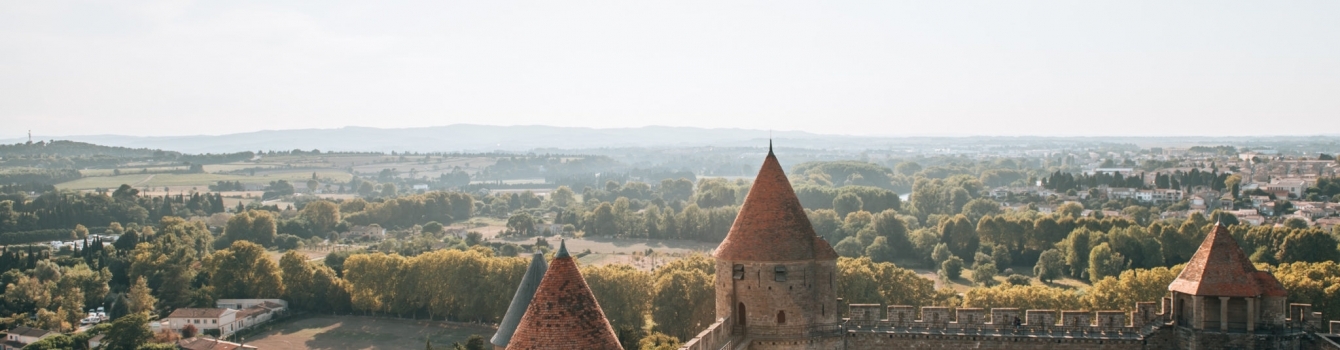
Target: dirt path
column 151, row 177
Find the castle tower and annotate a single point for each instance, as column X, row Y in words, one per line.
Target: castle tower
column 1220, row 293
column 563, row 314
column 776, row 279
column 520, row 301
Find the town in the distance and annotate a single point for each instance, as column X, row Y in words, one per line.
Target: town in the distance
column 801, row 241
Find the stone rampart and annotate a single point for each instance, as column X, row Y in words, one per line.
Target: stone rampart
column 715, row 337
column 868, row 316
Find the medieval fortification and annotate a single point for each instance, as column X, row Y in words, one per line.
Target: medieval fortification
column 776, row 289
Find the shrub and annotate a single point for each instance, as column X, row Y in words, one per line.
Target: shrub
column 952, row 267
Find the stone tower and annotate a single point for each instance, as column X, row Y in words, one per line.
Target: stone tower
column 776, row 279
column 1220, row 300
column 564, row 313
column 520, row 301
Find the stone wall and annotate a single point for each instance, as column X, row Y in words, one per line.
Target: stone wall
column 875, row 340
column 868, row 316
column 715, row 337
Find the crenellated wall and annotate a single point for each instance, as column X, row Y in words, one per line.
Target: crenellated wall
column 875, row 316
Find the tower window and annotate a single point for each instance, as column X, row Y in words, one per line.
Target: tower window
column 779, row 274
column 738, row 272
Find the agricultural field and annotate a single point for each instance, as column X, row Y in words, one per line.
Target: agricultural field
column 361, row 332
column 201, row 182
column 297, row 169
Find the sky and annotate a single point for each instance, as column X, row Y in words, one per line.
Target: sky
column 878, row 68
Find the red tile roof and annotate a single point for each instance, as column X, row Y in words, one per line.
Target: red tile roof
column 564, row 313
column 197, row 313
column 1221, row 268
column 772, row 225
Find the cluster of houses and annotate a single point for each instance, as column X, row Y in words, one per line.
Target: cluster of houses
column 229, row 316
column 1202, row 200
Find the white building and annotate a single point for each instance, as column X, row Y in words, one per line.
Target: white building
column 1295, row 187
column 21, row 336
column 223, row 320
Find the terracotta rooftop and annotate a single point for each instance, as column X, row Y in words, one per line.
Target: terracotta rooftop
column 520, row 301
column 197, row 313
column 1221, row 268
column 563, row 314
column 772, row 225
column 30, row 332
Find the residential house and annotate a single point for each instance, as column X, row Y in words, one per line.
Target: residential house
column 251, row 312
column 1327, row 224
column 21, row 336
column 1293, row 186
column 222, row 320
column 374, row 232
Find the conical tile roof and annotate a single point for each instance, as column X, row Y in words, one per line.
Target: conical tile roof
column 564, row 313
column 1220, row 268
column 772, row 225
column 521, row 300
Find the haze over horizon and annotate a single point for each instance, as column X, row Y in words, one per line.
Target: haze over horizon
column 1051, row 68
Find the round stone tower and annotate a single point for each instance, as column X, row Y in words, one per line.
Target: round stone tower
column 776, row 279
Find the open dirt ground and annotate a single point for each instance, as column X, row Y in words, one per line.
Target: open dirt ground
column 361, row 332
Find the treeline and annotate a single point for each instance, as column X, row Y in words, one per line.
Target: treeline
column 65, row 209
column 41, row 176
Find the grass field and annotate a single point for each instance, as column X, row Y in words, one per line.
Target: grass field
column 360, row 332
column 199, row 182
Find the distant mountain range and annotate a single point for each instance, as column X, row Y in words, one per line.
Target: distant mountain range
column 451, row 138
column 486, row 138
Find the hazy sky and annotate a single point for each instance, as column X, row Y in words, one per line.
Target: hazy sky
column 844, row 67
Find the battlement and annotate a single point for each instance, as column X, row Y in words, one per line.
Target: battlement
column 716, row 336
column 872, row 316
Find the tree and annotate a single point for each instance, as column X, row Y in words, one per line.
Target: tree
column 658, row 341
column 940, row 253
column 388, row 190
column 563, row 196
column 1077, row 251
column 684, row 302
column 521, row 224
column 984, row 273
column 952, row 268
column 1308, row 245
column 1104, row 262
column 880, row 250
column 244, row 271
column 624, row 293
column 847, row 203
column 189, row 331
column 140, row 298
column 889, row 225
column 865, row 281
column 979, row 208
column 1050, row 266
column 257, row 226
column 128, row 333
column 1132, row 286
column 960, row 235
column 322, row 216
column 849, row 247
